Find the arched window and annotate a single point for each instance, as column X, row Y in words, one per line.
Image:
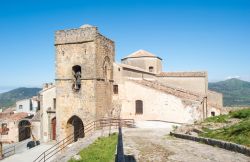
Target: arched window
column 77, row 74
column 151, row 69
column 138, row 107
column 212, row 113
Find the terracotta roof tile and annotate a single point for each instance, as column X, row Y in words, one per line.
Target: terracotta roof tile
column 13, row 116
column 9, row 110
column 178, row 92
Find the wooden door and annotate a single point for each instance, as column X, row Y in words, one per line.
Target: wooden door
column 53, row 123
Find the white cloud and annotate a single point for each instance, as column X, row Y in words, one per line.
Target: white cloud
column 231, row 77
column 246, row 78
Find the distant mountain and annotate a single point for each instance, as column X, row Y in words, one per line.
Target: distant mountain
column 9, row 98
column 236, row 92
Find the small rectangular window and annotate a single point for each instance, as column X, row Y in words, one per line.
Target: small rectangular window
column 138, row 107
column 38, row 105
column 115, row 89
column 4, row 125
column 31, row 105
column 151, row 69
column 20, row 106
column 54, row 103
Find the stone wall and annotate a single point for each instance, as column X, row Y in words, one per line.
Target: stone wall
column 219, row 143
column 71, row 36
column 215, row 98
column 13, row 133
column 123, row 71
column 145, row 63
column 157, row 105
column 105, row 53
column 188, row 100
column 36, row 131
column 215, row 103
column 192, row 81
column 131, row 73
column 47, row 96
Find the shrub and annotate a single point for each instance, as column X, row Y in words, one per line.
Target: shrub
column 217, row 119
column 241, row 114
column 237, row 133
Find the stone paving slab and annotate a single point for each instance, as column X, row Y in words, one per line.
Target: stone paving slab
column 155, row 145
column 28, row 155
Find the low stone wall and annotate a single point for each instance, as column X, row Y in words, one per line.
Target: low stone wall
column 213, row 142
column 119, row 150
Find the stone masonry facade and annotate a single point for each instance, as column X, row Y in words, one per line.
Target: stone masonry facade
column 90, row 85
column 94, row 54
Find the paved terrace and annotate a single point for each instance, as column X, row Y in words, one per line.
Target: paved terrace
column 150, row 142
column 27, row 155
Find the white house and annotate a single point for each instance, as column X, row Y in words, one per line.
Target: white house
column 29, row 106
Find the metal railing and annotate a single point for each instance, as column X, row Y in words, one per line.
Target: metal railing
column 106, row 122
column 9, row 151
column 88, row 129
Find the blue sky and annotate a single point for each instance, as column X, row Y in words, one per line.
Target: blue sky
column 190, row 35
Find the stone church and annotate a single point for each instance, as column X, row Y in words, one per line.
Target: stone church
column 90, row 85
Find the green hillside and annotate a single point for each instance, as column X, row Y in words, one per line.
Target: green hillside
column 236, row 92
column 8, row 99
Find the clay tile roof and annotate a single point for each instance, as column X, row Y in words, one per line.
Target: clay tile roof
column 141, row 53
column 9, row 110
column 182, row 93
column 13, row 116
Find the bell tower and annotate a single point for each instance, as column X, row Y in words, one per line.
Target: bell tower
column 84, row 78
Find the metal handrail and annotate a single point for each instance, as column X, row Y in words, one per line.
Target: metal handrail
column 62, row 144
column 11, row 149
column 92, row 126
column 58, row 146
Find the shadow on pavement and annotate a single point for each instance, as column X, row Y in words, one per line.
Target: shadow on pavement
column 129, row 158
